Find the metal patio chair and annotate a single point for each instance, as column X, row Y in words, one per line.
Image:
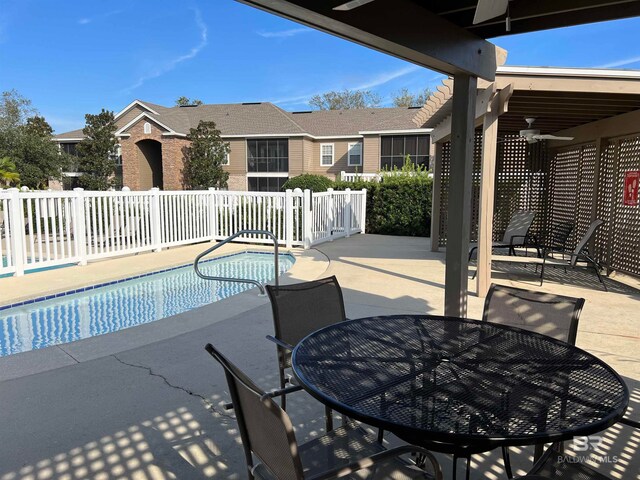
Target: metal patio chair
column 558, row 237
column 516, row 235
column 555, row 465
column 556, row 316
column 268, row 435
column 298, row 310
column 580, row 254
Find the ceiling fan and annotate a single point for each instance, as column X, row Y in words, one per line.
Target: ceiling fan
column 485, row 10
column 532, row 135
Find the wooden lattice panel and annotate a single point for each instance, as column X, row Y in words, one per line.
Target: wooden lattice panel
column 563, row 189
column 520, row 184
column 626, row 223
column 604, row 204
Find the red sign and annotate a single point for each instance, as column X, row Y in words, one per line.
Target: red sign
column 631, row 180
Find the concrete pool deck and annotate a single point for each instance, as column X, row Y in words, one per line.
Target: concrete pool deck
column 149, row 406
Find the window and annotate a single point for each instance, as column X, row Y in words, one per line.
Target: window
column 147, row 127
column 394, row 149
column 116, row 156
column 268, row 156
column 267, row 164
column 69, row 148
column 326, row 154
column 355, row 154
column 266, row 184
column 226, row 159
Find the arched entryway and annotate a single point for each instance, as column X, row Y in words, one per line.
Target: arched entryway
column 149, row 164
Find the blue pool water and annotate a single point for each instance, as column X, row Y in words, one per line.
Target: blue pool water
column 128, row 303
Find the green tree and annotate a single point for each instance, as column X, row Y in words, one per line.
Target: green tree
column 8, row 173
column 345, row 100
column 186, row 101
column 405, row 98
column 204, row 158
column 26, row 139
column 95, row 152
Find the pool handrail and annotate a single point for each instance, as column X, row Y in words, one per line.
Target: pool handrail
column 240, row 280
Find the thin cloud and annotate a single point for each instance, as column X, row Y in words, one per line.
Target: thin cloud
column 284, row 33
column 174, row 62
column 376, row 81
column 621, row 63
column 87, row 20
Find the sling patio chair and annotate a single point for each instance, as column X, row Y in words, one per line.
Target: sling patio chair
column 298, row 310
column 556, row 316
column 578, row 257
column 558, row 238
column 554, row 464
column 516, row 235
column 267, row 434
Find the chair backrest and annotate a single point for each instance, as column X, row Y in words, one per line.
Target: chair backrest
column 553, row 315
column 265, row 429
column 303, row 308
column 584, row 241
column 560, row 233
column 518, row 227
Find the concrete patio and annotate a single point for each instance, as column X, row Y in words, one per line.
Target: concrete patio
column 155, row 410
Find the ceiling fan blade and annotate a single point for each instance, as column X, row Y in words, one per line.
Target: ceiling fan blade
column 351, row 5
column 488, row 9
column 551, row 137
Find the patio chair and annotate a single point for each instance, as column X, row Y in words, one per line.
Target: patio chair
column 298, row 310
column 558, row 237
column 554, row 315
column 267, row 433
column 516, row 235
column 579, row 254
column 554, row 464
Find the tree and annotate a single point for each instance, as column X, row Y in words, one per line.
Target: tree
column 405, row 98
column 346, row 99
column 204, row 158
column 95, row 152
column 26, row 139
column 8, row 173
column 186, row 101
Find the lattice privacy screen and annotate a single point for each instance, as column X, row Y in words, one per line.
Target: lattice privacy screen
column 520, row 184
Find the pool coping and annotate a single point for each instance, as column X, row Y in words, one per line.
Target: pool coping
column 308, row 265
column 142, row 275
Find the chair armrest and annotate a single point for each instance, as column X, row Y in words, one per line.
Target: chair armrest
column 280, row 343
column 380, row 457
column 280, row 392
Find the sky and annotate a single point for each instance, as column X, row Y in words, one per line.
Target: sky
column 75, row 57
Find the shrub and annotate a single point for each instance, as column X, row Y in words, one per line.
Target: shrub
column 315, row 183
column 399, row 205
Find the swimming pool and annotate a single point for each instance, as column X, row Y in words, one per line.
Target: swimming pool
column 127, row 303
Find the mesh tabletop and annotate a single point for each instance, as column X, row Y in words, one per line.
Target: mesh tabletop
column 459, row 381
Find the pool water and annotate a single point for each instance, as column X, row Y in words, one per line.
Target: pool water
column 129, row 303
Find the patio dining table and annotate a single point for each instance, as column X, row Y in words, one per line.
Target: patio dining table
column 457, row 385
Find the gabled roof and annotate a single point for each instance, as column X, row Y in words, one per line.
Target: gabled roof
column 257, row 119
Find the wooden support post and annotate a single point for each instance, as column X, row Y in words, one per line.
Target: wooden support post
column 487, row 194
column 435, row 197
column 459, row 210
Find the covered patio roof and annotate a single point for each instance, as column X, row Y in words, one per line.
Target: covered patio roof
column 441, row 36
column 558, row 98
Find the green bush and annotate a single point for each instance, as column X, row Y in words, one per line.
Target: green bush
column 315, row 183
column 399, row 205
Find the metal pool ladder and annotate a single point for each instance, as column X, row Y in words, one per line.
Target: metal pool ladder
column 196, row 265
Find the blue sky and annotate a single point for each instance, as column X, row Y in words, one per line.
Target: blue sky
column 76, row 57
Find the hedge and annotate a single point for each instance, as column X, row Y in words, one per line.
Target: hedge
column 315, row 183
column 398, row 207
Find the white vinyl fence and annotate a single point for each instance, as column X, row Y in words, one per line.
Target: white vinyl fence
column 44, row 229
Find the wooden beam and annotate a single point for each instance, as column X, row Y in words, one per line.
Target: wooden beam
column 443, row 130
column 459, row 210
column 487, row 194
column 401, row 28
column 435, row 197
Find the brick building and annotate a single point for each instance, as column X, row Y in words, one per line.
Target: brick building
column 268, row 144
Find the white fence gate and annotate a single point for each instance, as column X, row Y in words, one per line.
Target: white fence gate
column 46, row 229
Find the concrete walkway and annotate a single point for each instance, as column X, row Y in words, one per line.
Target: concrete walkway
column 154, row 411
